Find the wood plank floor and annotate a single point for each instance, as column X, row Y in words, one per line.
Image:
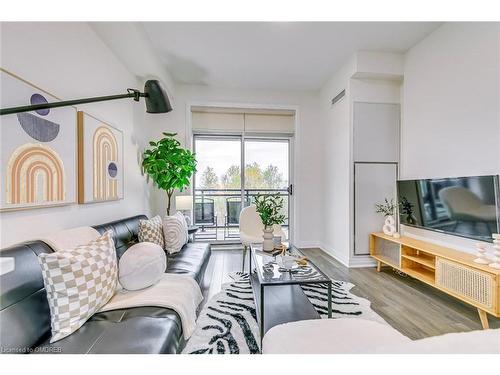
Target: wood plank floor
column 411, row 307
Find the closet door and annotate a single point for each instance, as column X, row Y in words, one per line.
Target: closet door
column 373, row 182
column 376, row 156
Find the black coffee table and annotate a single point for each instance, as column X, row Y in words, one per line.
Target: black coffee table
column 278, row 296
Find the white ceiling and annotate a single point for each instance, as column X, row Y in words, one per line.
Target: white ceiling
column 272, row 55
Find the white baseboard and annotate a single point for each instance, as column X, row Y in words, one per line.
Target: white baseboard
column 338, row 256
column 307, row 244
column 353, row 262
column 362, row 261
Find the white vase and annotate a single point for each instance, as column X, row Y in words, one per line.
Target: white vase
column 389, row 227
column 268, row 244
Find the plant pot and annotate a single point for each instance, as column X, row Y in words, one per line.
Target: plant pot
column 268, row 244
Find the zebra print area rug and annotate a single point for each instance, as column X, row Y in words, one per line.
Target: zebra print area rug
column 228, row 323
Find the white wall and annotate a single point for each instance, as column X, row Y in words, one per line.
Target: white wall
column 357, row 78
column 70, row 61
column 308, row 213
column 336, row 138
column 451, row 108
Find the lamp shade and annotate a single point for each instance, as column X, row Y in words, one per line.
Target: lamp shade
column 156, row 98
column 184, row 202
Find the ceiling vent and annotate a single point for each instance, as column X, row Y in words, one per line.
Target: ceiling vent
column 339, row 96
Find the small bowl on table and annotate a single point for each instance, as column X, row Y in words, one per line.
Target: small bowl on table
column 286, row 262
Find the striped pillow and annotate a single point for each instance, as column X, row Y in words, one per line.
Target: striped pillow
column 151, row 231
column 78, row 283
column 175, row 232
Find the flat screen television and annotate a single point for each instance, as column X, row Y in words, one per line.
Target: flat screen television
column 463, row 206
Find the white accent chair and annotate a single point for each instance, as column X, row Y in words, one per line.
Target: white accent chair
column 251, row 227
column 342, row 336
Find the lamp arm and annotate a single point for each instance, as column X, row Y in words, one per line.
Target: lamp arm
column 131, row 93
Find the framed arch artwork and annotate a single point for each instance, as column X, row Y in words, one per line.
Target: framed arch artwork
column 100, row 160
column 37, row 149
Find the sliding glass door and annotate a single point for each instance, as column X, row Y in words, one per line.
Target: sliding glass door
column 267, row 166
column 231, row 171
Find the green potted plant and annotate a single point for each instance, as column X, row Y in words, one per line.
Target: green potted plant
column 269, row 207
column 169, row 165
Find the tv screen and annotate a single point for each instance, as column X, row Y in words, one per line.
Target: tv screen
column 462, row 206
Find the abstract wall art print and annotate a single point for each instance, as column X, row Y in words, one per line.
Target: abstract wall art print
column 100, row 160
column 37, row 149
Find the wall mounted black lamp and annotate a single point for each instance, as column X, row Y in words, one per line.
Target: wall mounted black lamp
column 155, row 96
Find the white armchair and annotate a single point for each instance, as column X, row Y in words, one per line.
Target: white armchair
column 251, row 227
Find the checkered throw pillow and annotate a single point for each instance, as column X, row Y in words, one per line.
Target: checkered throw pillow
column 152, row 231
column 78, row 283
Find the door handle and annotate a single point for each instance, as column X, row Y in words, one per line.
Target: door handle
column 290, row 189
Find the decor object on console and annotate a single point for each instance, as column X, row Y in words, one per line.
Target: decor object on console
column 142, row 265
column 269, row 208
column 100, row 160
column 496, row 246
column 37, row 153
column 152, row 231
column 451, row 271
column 389, row 228
column 169, row 165
column 78, row 283
column 481, row 254
column 388, row 209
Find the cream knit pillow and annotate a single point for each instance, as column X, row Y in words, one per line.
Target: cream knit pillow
column 175, row 232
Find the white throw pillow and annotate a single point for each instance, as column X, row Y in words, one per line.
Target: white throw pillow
column 78, row 283
column 184, row 223
column 142, row 265
column 175, row 232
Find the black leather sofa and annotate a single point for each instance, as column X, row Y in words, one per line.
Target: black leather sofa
column 25, row 314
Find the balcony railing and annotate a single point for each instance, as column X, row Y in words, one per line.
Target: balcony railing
column 217, row 211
